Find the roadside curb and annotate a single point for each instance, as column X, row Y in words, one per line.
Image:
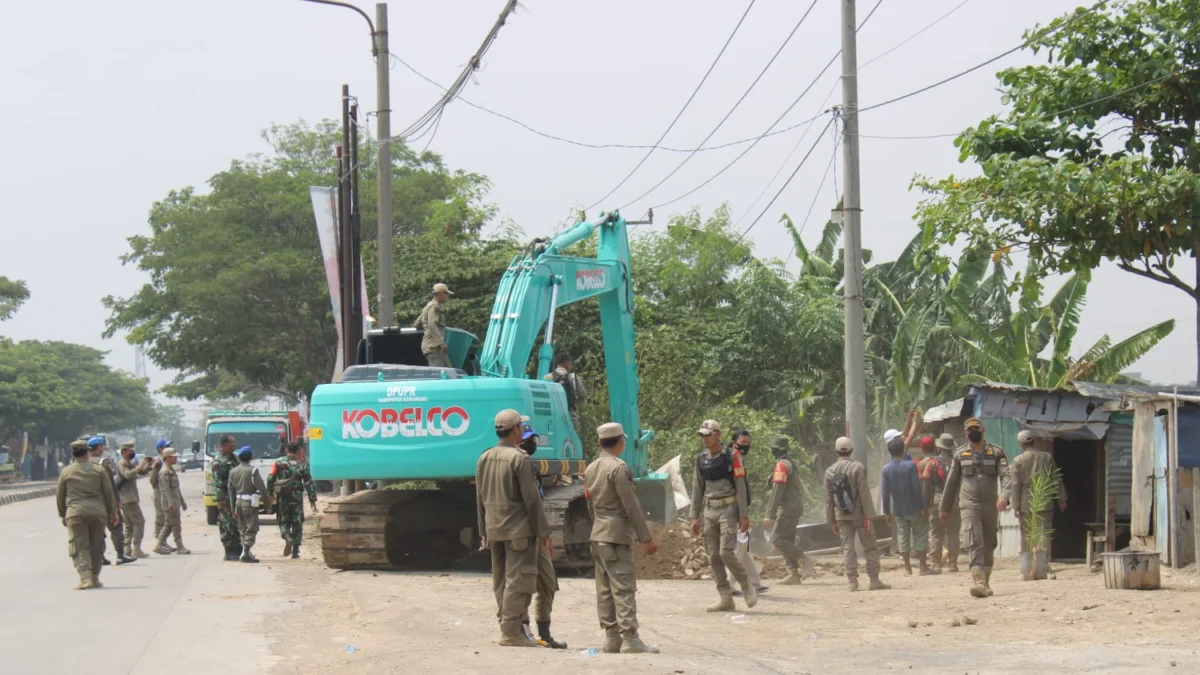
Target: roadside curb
column 28, row 494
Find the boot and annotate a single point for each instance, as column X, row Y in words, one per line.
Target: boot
column 793, row 578
column 517, row 639
column 935, row 559
column 953, row 562
column 978, row 586
column 105, row 561
column 96, row 581
column 544, row 634
column 634, row 645
column 726, row 603
column 287, row 549
column 123, row 560
column 182, row 550
column 162, row 549
column 987, row 581
column 83, row 585
column 907, row 563
column 247, row 557
column 877, row 585
column 612, row 641
column 853, row 584
column 926, row 570
column 296, row 552
column 138, row 552
column 233, row 553
column 751, row 594
column 169, row 547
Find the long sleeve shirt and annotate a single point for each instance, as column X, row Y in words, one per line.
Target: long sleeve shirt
column 617, row 515
column 507, row 500
column 85, row 489
column 434, row 325
column 733, row 486
column 1027, row 465
column 901, row 489
column 859, row 490
column 787, row 497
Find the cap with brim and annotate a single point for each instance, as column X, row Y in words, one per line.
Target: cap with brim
column 79, row 445
column 609, row 430
column 781, row 443
column 170, row 452
column 442, row 288
column 128, row 445
column 972, row 422
column 507, row 419
column 843, row 444
column 709, row 427
column 1025, row 437
column 889, row 435
column 946, row 442
column 527, row 432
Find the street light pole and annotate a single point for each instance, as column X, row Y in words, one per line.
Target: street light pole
column 856, row 386
column 383, row 116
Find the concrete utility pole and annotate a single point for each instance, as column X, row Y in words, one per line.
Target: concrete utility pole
column 856, row 385
column 384, row 282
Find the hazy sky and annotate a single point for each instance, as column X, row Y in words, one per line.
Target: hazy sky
column 109, row 105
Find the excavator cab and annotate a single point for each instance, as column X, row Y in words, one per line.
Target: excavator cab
column 402, row 347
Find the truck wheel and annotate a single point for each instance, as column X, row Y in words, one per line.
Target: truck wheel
column 212, row 515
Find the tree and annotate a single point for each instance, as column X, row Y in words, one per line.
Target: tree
column 58, row 390
column 237, row 299
column 1099, row 158
column 13, row 294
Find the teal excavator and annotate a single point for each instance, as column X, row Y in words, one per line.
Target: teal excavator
column 394, row 418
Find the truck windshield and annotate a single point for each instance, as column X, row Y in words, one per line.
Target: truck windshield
column 262, row 437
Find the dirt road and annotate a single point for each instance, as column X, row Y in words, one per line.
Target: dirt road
column 443, row 623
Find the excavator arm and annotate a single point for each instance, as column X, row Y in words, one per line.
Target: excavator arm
column 541, row 280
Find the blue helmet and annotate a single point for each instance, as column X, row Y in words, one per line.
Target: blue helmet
column 162, row 444
column 527, row 432
column 245, row 452
column 95, row 441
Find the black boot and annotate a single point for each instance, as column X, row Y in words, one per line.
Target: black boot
column 105, row 561
column 296, row 552
column 232, row 553
column 246, row 557
column 544, row 634
column 125, row 560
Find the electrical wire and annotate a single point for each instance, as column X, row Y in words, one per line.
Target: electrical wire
column 779, row 119
column 737, row 104
column 1023, row 45
column 816, row 198
column 679, row 114
column 434, row 113
column 912, row 37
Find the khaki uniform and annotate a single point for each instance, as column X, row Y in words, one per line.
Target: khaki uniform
column 974, row 486
column 116, row 532
column 173, row 504
column 722, row 502
column 434, row 324
column 510, row 517
column 617, row 518
column 131, row 508
column 934, row 471
column 159, row 512
column 244, row 480
column 1027, row 465
column 851, row 525
column 784, row 509
column 87, row 501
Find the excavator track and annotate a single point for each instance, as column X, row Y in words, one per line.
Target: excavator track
column 423, row 529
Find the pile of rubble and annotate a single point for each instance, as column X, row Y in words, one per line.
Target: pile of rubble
column 680, row 555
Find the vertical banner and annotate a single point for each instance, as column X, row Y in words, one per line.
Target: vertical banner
column 324, row 201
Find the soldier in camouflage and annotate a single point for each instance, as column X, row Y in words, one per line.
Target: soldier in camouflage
column 221, row 466
column 288, row 481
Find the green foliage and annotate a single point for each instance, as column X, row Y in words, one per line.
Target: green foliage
column 237, row 299
column 1043, row 491
column 58, row 390
column 13, row 294
column 1098, row 158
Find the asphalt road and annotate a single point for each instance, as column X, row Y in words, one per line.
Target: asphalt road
column 192, row 614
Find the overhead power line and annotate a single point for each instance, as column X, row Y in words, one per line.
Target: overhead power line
column 737, row 104
column 679, row 114
column 914, row 36
column 434, row 113
column 816, row 198
column 1023, row 45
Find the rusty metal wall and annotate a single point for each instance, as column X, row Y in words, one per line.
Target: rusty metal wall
column 1118, row 449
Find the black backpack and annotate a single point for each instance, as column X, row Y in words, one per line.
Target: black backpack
column 839, row 487
column 565, row 381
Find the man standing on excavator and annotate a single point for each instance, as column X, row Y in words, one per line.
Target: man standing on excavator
column 564, row 374
column 433, row 344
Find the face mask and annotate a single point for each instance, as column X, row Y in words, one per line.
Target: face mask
column 743, row 448
column 975, row 436
column 529, row 447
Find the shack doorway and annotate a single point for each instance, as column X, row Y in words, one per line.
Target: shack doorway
column 1082, row 466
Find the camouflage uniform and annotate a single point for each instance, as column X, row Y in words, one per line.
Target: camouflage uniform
column 230, row 538
column 288, row 481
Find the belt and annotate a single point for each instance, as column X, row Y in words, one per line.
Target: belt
column 724, row 501
column 247, row 497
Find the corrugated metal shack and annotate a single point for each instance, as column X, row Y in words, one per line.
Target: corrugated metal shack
column 1101, row 436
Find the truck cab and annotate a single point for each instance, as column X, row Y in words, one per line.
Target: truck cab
column 265, row 431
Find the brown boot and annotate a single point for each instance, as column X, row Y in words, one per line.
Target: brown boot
column 180, row 549
column 877, row 585
column 750, row 594
column 978, row 586
column 853, row 584
column 953, row 563
column 987, row 581
column 516, row 639
column 794, row 578
column 96, row 581
column 634, row 645
column 612, row 641
column 138, row 552
column 726, row 602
